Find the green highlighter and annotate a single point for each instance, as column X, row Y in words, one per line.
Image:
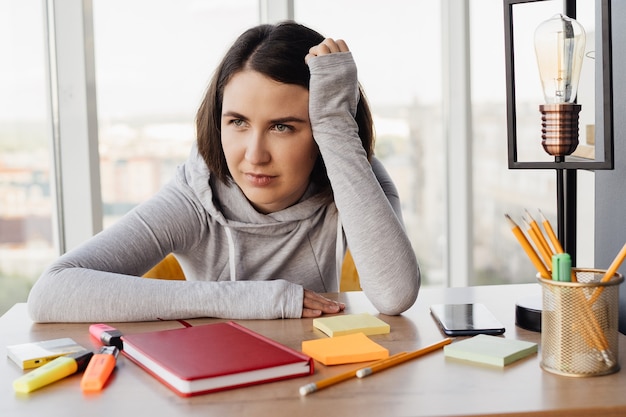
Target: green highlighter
column 561, row 267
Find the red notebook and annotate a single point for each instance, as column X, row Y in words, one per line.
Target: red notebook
column 213, row 357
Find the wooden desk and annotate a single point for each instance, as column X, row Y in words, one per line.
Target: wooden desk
column 428, row 386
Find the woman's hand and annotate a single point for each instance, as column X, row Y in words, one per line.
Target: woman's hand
column 314, row 305
column 328, row 46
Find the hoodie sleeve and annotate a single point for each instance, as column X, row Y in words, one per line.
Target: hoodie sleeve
column 100, row 280
column 386, row 263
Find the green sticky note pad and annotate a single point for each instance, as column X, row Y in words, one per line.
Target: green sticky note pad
column 490, row 350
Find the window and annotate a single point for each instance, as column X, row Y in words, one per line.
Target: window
column 397, row 48
column 26, row 233
column 154, row 59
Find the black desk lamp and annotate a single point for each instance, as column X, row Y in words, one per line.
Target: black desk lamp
column 559, row 46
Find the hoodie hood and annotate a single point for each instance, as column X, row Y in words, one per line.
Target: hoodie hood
column 227, row 204
column 243, row 225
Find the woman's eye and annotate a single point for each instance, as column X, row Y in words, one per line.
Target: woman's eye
column 282, row 128
column 237, row 122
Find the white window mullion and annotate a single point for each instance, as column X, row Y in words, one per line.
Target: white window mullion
column 458, row 137
column 74, row 119
column 273, row 11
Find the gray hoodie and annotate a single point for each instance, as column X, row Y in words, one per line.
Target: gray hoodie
column 239, row 263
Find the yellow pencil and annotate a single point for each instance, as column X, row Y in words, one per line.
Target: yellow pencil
column 555, row 241
column 543, row 242
column 362, row 373
column 609, row 273
column 615, row 264
column 316, row 386
column 548, row 227
column 545, row 253
column 534, row 258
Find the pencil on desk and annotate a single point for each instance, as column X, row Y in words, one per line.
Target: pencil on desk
column 534, row 258
column 324, row 383
column 362, row 373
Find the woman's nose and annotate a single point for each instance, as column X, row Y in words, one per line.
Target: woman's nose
column 256, row 149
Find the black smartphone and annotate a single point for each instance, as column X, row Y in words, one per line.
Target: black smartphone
column 466, row 319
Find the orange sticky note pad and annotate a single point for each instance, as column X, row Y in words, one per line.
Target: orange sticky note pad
column 351, row 348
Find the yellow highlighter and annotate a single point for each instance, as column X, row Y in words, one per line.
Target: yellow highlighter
column 52, row 371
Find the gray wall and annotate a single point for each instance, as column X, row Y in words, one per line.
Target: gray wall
column 610, row 219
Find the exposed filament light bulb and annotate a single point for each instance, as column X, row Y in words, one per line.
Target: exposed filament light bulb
column 560, row 46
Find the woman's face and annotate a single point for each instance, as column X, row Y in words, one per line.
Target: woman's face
column 267, row 139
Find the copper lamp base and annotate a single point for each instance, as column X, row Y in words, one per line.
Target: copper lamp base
column 559, row 131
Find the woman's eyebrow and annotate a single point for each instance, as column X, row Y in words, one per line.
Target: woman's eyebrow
column 279, row 120
column 288, row 119
column 234, row 114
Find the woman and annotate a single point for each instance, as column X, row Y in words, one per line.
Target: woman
column 281, row 182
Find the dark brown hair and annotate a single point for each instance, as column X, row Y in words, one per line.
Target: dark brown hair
column 276, row 51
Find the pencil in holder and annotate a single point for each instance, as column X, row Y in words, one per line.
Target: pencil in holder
column 579, row 324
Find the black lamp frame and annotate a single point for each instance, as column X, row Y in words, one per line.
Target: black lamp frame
column 565, row 166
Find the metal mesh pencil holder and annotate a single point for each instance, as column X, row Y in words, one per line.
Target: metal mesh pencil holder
column 579, row 324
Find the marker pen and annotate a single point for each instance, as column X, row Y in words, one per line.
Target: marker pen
column 109, row 336
column 52, row 371
column 99, row 369
column 561, row 267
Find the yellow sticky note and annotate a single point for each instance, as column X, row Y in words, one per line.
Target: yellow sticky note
column 356, row 347
column 351, row 323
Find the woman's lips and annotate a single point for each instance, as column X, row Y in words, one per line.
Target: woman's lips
column 258, row 180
